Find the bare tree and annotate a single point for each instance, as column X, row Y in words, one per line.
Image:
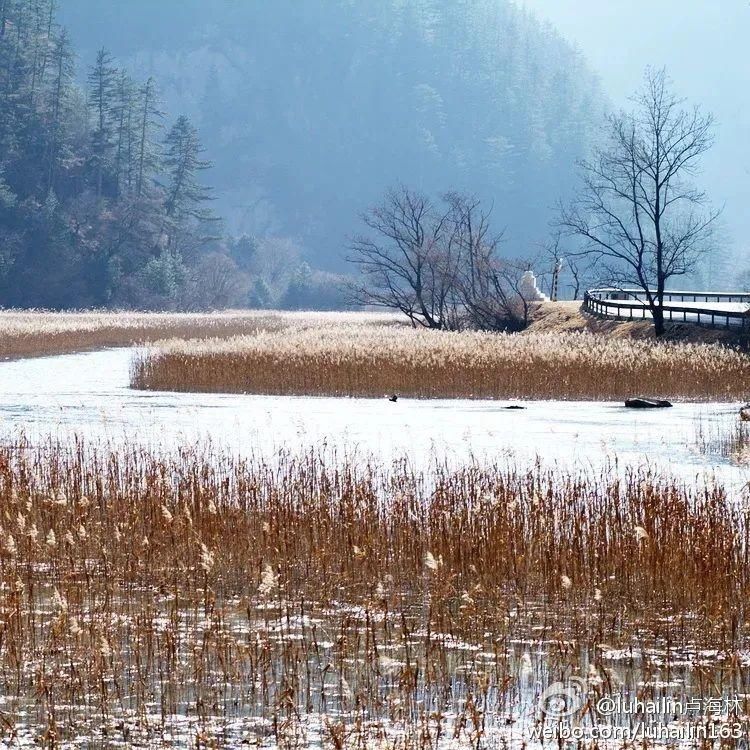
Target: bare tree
column 637, row 213
column 578, row 269
column 486, row 285
column 407, row 262
column 215, row 284
column 439, row 265
column 498, row 304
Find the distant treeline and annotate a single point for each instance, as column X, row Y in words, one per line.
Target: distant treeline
column 102, row 201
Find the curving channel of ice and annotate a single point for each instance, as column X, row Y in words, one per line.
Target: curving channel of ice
column 88, row 394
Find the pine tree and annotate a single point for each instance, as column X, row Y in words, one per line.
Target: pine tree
column 185, row 195
column 102, row 92
column 62, row 63
column 79, row 225
column 43, row 15
column 150, row 117
column 124, row 122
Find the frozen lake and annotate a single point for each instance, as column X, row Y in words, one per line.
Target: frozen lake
column 88, row 394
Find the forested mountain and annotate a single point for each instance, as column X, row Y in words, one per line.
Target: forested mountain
column 101, row 200
column 311, row 108
column 112, row 113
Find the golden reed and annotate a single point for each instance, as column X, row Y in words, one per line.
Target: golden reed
column 373, row 360
column 151, row 598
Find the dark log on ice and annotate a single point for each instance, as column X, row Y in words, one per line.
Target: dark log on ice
column 646, row 403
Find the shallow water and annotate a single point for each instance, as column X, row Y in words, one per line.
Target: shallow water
column 88, row 394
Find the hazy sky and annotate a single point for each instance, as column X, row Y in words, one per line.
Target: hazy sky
column 704, row 44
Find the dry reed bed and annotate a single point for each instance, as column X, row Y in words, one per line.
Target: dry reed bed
column 730, row 439
column 364, row 360
column 153, row 597
column 36, row 333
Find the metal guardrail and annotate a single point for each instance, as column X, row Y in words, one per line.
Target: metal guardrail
column 630, row 304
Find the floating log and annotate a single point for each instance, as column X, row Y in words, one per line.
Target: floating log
column 646, row 403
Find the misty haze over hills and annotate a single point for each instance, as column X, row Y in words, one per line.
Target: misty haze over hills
column 704, row 47
column 310, row 110
column 161, row 156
